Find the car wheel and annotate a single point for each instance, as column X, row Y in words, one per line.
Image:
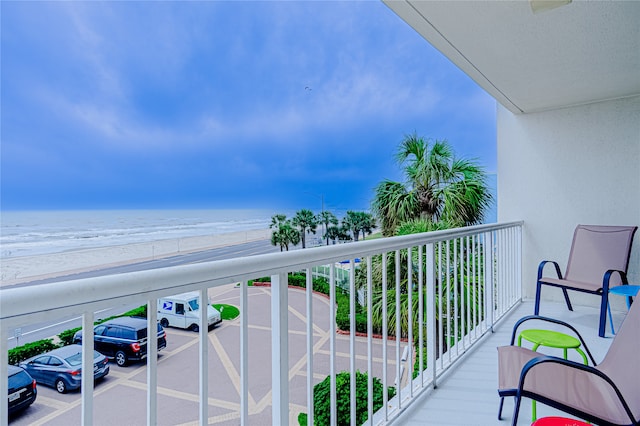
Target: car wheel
column 61, row 386
column 164, row 322
column 194, row 327
column 121, row 359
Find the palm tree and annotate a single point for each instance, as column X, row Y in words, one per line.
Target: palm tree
column 351, row 222
column 357, row 222
column 305, row 220
column 284, row 234
column 468, row 286
column 337, row 233
column 366, row 223
column 438, row 186
column 327, row 219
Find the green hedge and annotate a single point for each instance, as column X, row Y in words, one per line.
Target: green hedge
column 322, row 399
column 343, row 320
column 20, row 353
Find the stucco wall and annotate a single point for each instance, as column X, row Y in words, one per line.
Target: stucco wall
column 561, row 168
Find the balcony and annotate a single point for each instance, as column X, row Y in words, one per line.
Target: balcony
column 464, row 282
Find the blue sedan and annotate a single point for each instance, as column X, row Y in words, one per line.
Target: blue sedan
column 61, row 368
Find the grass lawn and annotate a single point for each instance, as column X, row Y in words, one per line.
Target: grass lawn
column 227, row 312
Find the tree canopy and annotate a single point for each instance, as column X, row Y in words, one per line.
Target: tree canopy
column 438, row 187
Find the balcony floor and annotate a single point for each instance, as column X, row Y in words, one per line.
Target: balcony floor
column 468, row 394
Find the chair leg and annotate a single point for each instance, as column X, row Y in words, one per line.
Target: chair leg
column 536, row 309
column 603, row 313
column 516, row 411
column 500, row 408
column 610, row 317
column 566, row 299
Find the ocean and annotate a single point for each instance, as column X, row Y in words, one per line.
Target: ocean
column 27, row 233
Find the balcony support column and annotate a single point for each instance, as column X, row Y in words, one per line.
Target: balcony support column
column 279, row 350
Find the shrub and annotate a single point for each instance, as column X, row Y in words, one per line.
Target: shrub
column 20, row 353
column 66, row 337
column 343, row 321
column 303, row 419
column 298, row 280
column 322, row 398
column 321, row 285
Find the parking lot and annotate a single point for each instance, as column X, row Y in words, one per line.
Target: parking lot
column 120, row 398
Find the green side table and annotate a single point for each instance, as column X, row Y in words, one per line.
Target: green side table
column 551, row 339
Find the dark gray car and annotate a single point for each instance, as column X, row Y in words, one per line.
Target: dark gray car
column 61, row 368
column 22, row 389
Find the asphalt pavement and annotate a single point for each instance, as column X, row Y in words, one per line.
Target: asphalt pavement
column 120, row 398
column 37, row 331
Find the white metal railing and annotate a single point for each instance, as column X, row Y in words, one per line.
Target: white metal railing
column 457, row 283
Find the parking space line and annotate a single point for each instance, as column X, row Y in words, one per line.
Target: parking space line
column 230, row 369
column 50, row 402
column 186, row 396
column 216, row 419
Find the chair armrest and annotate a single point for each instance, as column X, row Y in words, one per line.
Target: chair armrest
column 529, row 366
column 542, row 265
column 607, row 278
column 553, row 321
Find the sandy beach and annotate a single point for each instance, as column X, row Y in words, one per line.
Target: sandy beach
column 29, row 268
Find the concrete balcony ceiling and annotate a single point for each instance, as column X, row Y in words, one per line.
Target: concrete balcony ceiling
column 571, row 54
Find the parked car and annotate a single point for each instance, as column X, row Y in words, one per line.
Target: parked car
column 22, row 389
column 183, row 311
column 123, row 339
column 62, row 368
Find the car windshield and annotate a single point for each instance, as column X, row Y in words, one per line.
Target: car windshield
column 194, row 304
column 77, row 358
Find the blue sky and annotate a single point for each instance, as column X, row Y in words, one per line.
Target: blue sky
column 221, row 104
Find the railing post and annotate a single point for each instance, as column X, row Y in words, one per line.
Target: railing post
column 488, row 278
column 204, row 357
column 431, row 312
column 309, row 303
column 519, row 262
column 332, row 345
column 4, row 377
column 352, row 341
column 385, row 335
column 369, row 341
column 86, row 382
column 279, row 350
column 152, row 361
column 244, row 355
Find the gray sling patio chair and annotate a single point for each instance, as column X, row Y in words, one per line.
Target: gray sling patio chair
column 606, row 394
column 598, row 260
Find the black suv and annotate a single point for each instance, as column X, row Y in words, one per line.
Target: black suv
column 123, row 338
